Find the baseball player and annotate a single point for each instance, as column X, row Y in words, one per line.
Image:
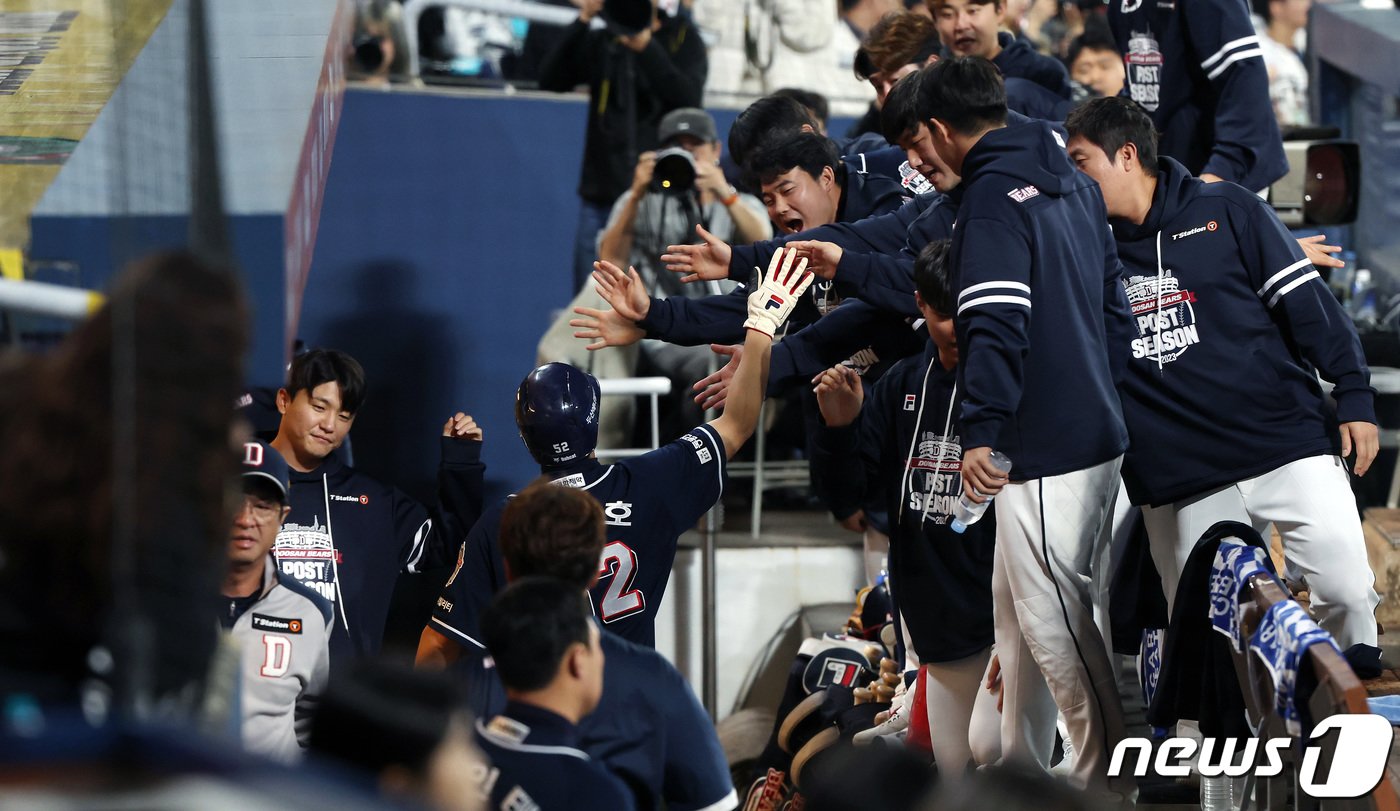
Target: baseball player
column 547, row 653
column 282, row 627
column 907, row 438
column 649, row 729
column 1039, row 302
column 648, row 501
column 1195, row 66
column 348, row 535
column 1221, row 396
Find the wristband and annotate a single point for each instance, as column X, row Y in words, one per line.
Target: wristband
column 732, row 198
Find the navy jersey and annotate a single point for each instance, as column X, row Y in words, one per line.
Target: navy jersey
column 536, row 766
column 648, row 501
column 648, row 729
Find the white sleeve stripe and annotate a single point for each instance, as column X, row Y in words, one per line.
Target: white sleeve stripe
column 442, row 624
column 978, row 302
column 726, row 803
column 1281, row 275
column 993, row 286
column 1252, row 39
column 420, row 543
column 1234, row 57
column 1296, row 282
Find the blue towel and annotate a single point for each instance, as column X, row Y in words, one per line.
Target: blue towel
column 1388, row 707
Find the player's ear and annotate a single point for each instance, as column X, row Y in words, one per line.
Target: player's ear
column 283, row 401
column 574, row 659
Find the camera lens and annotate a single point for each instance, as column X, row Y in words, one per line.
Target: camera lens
column 674, row 172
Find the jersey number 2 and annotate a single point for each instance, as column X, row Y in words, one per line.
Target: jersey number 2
column 620, row 600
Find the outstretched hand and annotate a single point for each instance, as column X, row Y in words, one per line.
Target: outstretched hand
column 605, row 328
column 1320, row 254
column 822, row 257
column 714, row 389
column 624, row 291
column 708, row 261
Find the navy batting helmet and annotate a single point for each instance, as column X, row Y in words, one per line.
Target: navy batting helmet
column 556, row 410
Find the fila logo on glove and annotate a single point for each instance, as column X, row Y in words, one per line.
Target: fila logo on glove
column 773, row 303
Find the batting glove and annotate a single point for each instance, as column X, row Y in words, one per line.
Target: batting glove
column 783, row 285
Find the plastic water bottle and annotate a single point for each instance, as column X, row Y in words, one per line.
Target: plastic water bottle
column 1218, row 794
column 966, row 512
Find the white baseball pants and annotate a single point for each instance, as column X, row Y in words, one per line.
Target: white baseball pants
column 1053, row 540
column 1311, row 504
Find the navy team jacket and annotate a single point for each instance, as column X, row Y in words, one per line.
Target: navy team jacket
column 1039, row 302
column 1231, row 323
column 907, row 440
column 1195, row 65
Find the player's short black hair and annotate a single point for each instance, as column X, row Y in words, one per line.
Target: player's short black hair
column 1109, row 123
column 553, row 531
column 900, row 115
column 319, row 366
column 1261, row 7
column 815, row 102
column 769, row 117
column 1094, row 38
column 807, row 151
column 863, row 67
column 529, row 627
column 966, row 93
column 931, row 277
column 380, row 714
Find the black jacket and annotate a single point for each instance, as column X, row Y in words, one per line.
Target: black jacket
column 628, row 93
column 1198, row 680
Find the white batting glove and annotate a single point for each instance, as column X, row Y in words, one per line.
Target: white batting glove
column 772, row 301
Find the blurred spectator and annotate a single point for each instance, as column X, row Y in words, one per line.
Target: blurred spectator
column 1044, row 28
column 758, row 46
column 379, row 49
column 348, row 535
column 1288, row 77
column 1095, row 65
column 1079, row 16
column 281, row 627
column 113, row 485
column 545, row 645
column 970, row 28
column 815, row 103
column 406, row 729
column 642, row 65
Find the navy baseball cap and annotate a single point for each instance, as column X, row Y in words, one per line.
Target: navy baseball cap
column 261, row 459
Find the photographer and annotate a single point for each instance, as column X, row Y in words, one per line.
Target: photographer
column 673, row 190
column 639, row 67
